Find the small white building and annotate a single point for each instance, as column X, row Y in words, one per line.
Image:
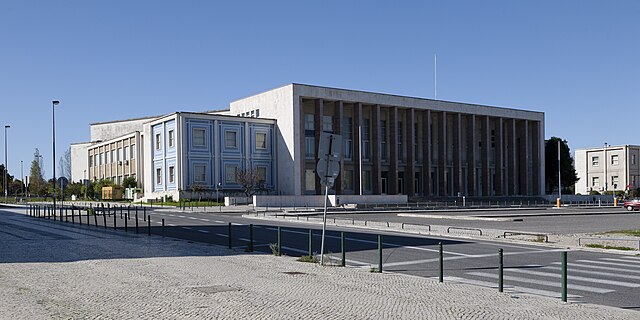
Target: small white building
column 607, row 168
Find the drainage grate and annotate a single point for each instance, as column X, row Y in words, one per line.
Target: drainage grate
column 293, row 273
column 216, row 289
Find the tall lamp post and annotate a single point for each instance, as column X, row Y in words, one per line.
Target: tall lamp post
column 559, row 175
column 22, row 177
column 606, row 179
column 54, row 104
column 6, row 171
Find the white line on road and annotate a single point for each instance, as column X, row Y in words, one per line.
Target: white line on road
column 217, row 221
column 511, row 289
column 222, row 235
column 171, row 225
column 186, row 228
column 542, row 282
column 575, row 278
column 203, row 231
column 597, row 273
column 609, row 263
column 599, row 267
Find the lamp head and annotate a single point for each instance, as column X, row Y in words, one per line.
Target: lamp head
column 55, row 102
column 7, row 126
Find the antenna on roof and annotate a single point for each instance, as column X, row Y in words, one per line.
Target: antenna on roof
column 435, row 77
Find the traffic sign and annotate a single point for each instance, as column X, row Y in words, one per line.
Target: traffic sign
column 327, row 171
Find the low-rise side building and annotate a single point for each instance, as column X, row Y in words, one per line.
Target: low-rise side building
column 610, row 168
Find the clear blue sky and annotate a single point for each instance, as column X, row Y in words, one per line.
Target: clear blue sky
column 577, row 61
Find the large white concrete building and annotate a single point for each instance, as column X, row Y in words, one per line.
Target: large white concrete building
column 610, row 168
column 392, row 145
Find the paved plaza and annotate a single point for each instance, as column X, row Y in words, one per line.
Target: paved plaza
column 52, row 270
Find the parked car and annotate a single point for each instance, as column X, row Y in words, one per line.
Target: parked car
column 632, row 204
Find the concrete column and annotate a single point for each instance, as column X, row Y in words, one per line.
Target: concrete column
column 410, row 168
column 442, row 153
column 337, row 129
column 457, row 153
column 535, row 156
column 392, row 177
column 301, row 151
column 319, row 112
column 484, row 154
column 499, row 151
column 524, row 156
column 359, row 132
column 512, row 177
column 472, row 155
column 426, row 153
column 377, row 154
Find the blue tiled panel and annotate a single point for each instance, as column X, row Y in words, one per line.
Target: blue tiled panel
column 238, row 128
column 261, row 153
column 158, row 164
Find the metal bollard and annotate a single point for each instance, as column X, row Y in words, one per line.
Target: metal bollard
column 310, row 241
column 500, row 270
column 73, row 220
column 564, row 276
column 88, row 221
column 125, row 225
column 95, row 219
column 441, row 274
column 104, row 219
column 136, row 222
column 379, row 253
column 66, row 217
column 250, row 238
column 79, row 216
column 229, row 235
column 149, row 226
column 344, row 260
column 279, row 241
column 115, row 216
column 163, row 227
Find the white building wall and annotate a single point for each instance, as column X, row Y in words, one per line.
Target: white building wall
column 627, row 169
column 108, row 130
column 79, row 161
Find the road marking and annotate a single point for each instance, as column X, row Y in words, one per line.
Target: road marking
column 619, row 260
column 192, row 218
column 186, row 228
column 631, row 258
column 542, row 282
column 575, row 278
column 611, row 263
column 347, row 260
column 599, row 267
column 181, row 217
column 171, row 225
column 511, row 289
column 222, row 235
column 217, row 221
column 204, row 219
column 598, row 273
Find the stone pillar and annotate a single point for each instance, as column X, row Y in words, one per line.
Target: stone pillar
column 535, row 156
column 499, row 163
column 472, row 156
column 442, row 153
column 410, row 168
column 524, row 156
column 426, row 153
column 457, row 154
column 377, row 153
column 357, row 144
column 486, row 147
column 337, row 129
column 512, row 177
column 301, row 151
column 392, row 177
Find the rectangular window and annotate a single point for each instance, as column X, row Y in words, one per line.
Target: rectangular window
column 133, row 151
column 308, row 122
column 113, row 156
column 383, row 138
column 158, row 176
column 170, row 138
column 230, row 174
column 327, row 123
column 230, row 139
column 595, row 161
column 367, row 180
column 261, row 174
column 157, row 142
column 595, row 182
column 199, row 173
column 101, row 158
column 633, row 159
column 261, row 140
column 107, row 159
column 171, row 174
column 91, row 161
column 366, row 134
column 614, row 160
column 309, row 180
column 614, row 181
column 310, row 147
column 126, row 153
column 347, row 180
column 198, row 137
column 347, row 137
column 120, row 157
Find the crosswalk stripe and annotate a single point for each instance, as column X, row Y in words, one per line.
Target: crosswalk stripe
column 598, row 273
column 611, row 263
column 514, row 289
column 542, row 282
column 633, row 258
column 599, row 267
column 618, row 260
column 575, row 278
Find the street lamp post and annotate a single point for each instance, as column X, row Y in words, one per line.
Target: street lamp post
column 53, row 108
column 605, row 169
column 22, row 177
column 6, row 171
column 559, row 175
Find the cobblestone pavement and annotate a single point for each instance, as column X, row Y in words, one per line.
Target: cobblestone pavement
column 52, row 270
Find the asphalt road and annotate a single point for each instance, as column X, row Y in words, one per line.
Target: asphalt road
column 600, row 278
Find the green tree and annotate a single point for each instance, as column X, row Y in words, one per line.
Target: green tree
column 568, row 175
column 9, row 179
column 37, row 185
column 129, row 182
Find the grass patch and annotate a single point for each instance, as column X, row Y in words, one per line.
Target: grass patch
column 600, row 246
column 310, row 259
column 635, row 233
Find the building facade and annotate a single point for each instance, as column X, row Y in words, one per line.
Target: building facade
column 403, row 145
column 610, row 168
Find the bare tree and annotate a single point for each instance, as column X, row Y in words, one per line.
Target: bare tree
column 250, row 181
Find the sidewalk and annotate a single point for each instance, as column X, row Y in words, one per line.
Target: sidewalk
column 50, row 270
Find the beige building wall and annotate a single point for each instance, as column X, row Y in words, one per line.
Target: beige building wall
column 611, row 168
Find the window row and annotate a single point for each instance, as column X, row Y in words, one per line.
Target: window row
column 232, row 174
column 123, row 154
column 171, row 139
column 198, row 138
column 615, row 160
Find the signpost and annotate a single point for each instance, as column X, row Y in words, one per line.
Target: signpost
column 328, row 168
